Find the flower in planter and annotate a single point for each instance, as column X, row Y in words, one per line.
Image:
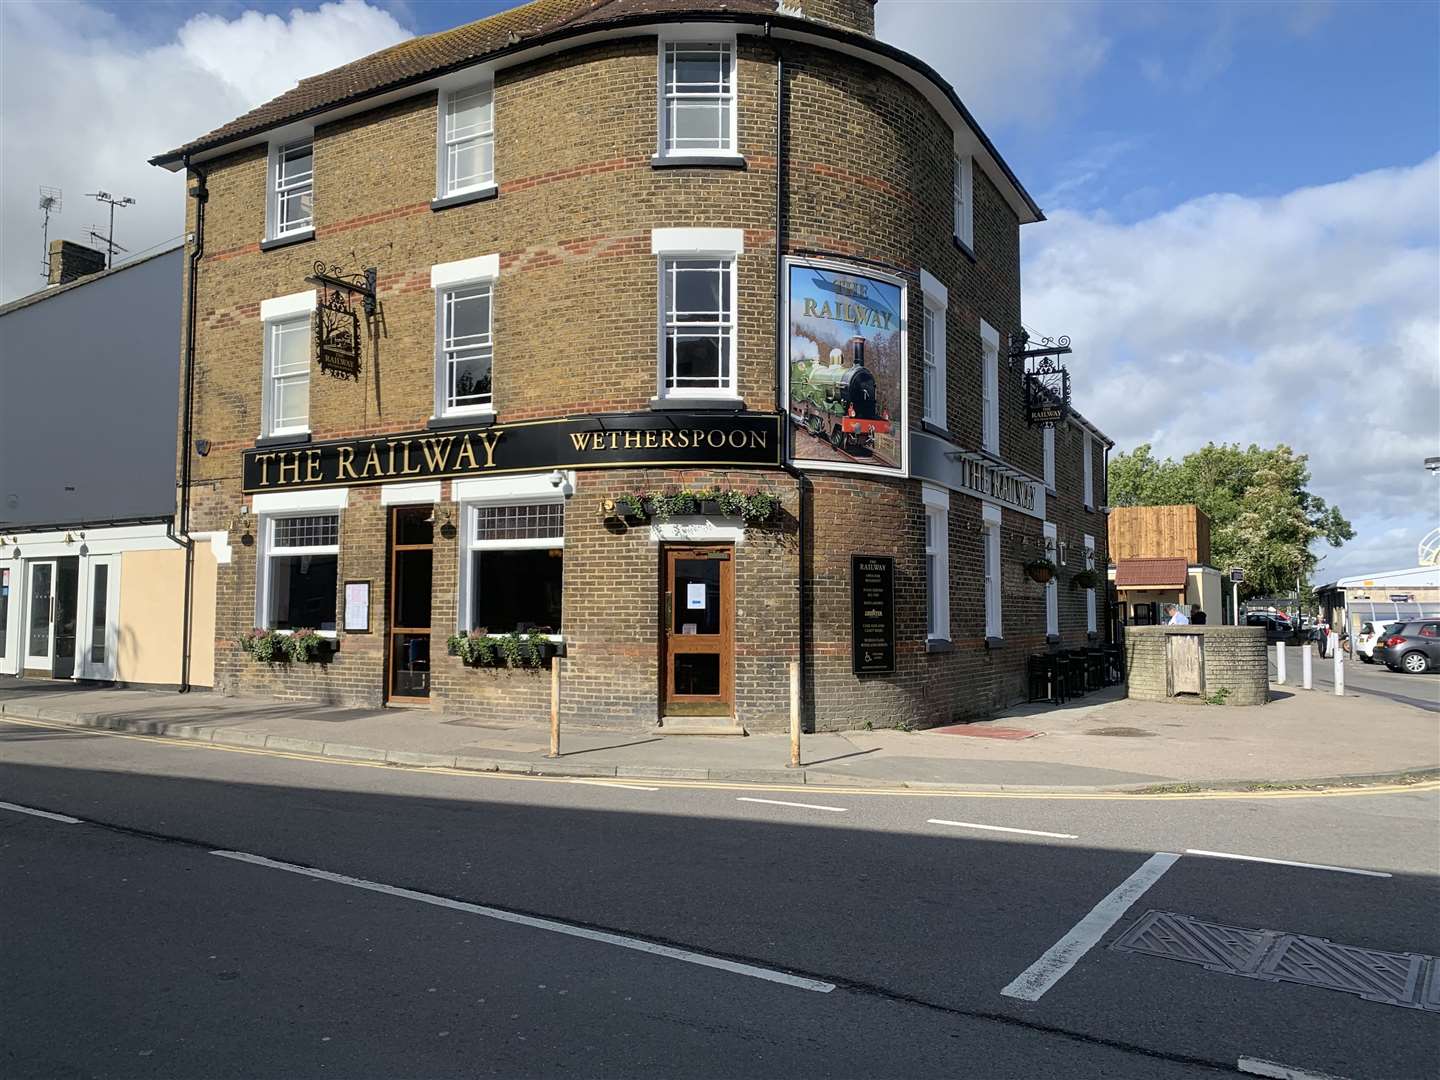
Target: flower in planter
column 1040, row 570
column 476, row 648
column 263, row 646
column 1085, row 579
column 731, row 503
column 759, row 506
column 304, row 645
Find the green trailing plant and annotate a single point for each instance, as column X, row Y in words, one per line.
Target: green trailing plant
column 759, row 506
column 1086, row 579
column 262, row 646
column 477, row 648
column 753, row 507
column 303, row 646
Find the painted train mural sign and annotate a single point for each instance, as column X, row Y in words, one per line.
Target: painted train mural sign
column 845, row 369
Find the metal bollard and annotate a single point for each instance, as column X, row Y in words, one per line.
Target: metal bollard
column 1339, row 674
column 794, row 714
column 1280, row 662
column 1305, row 680
column 554, row 707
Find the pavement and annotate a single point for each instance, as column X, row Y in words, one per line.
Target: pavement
column 180, row 909
column 1097, row 743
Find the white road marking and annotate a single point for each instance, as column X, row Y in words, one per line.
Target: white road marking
column 551, row 925
column 1063, row 955
column 1002, row 828
column 1285, row 862
column 1261, row 1067
column 40, row 813
column 612, row 783
column 802, row 805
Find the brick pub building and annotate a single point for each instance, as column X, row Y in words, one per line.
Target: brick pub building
column 511, row 328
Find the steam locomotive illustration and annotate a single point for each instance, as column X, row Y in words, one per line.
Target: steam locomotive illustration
column 838, row 401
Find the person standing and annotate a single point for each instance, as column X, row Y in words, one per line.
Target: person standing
column 1177, row 616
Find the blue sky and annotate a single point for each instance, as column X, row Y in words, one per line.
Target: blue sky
column 1244, row 198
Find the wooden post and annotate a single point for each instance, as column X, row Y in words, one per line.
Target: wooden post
column 554, row 706
column 794, row 714
column 1280, row 662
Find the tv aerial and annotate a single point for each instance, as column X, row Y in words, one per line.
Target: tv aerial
column 113, row 200
column 50, row 203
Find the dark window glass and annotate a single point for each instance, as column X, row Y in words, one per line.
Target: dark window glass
column 412, row 589
column 697, row 673
column 517, row 590
column 410, row 665
column 99, row 599
column 4, row 607
column 41, row 581
column 302, row 591
column 414, row 525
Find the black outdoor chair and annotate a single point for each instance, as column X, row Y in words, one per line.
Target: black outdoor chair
column 1072, row 667
column 1046, row 678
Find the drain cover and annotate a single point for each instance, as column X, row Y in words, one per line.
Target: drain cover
column 1122, row 732
column 1411, row 980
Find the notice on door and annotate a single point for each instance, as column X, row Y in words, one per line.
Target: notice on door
column 695, row 596
column 872, row 614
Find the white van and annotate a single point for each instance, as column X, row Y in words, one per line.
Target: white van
column 1370, row 633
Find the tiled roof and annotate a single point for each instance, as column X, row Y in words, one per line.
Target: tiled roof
column 421, row 57
column 1151, row 573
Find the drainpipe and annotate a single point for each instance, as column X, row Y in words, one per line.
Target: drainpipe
column 781, row 406
column 200, row 194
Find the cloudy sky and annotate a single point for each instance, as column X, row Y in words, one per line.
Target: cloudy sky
column 1243, row 198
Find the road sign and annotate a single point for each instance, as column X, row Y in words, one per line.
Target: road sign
column 1237, row 575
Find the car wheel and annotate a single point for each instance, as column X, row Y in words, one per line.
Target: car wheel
column 1416, row 663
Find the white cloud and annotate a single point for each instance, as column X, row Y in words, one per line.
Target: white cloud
column 1009, row 62
column 86, row 103
column 1311, row 319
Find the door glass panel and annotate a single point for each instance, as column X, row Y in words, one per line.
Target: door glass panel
column 410, row 665
column 697, row 604
column 697, row 673
column 99, row 593
column 41, row 588
column 412, row 589
column 415, row 525
column 67, row 616
column 4, row 608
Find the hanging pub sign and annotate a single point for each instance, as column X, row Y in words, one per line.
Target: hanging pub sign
column 845, row 367
column 602, row 441
column 337, row 324
column 1047, row 383
column 872, row 614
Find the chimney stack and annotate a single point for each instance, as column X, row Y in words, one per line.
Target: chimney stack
column 856, row 15
column 69, row 261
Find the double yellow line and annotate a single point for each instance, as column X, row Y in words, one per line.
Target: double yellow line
column 722, row 785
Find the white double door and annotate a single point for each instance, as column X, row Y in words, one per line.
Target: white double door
column 60, row 619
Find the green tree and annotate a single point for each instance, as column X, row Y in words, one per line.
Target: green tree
column 1262, row 515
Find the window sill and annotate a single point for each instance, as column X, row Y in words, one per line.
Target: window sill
column 289, row 238
column 939, row 645
column 936, row 429
column 464, row 198
column 329, row 635
column 994, row 643
column 965, row 249
column 719, row 403
column 461, row 420
column 1050, row 489
column 1052, row 639
column 697, row 161
column 1089, row 509
column 297, row 438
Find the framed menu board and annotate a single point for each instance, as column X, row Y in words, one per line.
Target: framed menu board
column 872, row 614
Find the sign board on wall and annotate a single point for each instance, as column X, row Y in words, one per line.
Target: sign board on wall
column 844, row 375
column 584, row 442
column 872, row 614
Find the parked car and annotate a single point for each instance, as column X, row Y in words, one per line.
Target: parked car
column 1370, row 635
column 1276, row 629
column 1413, row 647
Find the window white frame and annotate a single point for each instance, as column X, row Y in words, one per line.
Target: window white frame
column 452, row 141
column 674, row 248
column 937, row 562
column 724, row 94
column 1089, row 593
column 523, row 490
column 284, row 318
column 990, row 537
column 1052, row 587
column 989, row 388
column 269, row 549
column 459, row 282
column 933, row 360
column 963, row 198
column 1088, row 465
column 1048, row 447
column 283, row 182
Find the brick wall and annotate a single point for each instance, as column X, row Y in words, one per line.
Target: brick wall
column 1234, row 660
column 869, row 178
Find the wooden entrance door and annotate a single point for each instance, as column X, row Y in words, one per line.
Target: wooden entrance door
column 1185, row 661
column 697, row 631
column 411, row 574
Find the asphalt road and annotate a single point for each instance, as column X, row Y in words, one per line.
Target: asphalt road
column 532, row 926
column 1374, row 680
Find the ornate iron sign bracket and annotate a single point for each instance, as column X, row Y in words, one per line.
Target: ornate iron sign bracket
column 1047, row 383
column 337, row 324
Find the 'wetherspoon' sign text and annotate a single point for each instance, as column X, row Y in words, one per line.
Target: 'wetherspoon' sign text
column 589, row 442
